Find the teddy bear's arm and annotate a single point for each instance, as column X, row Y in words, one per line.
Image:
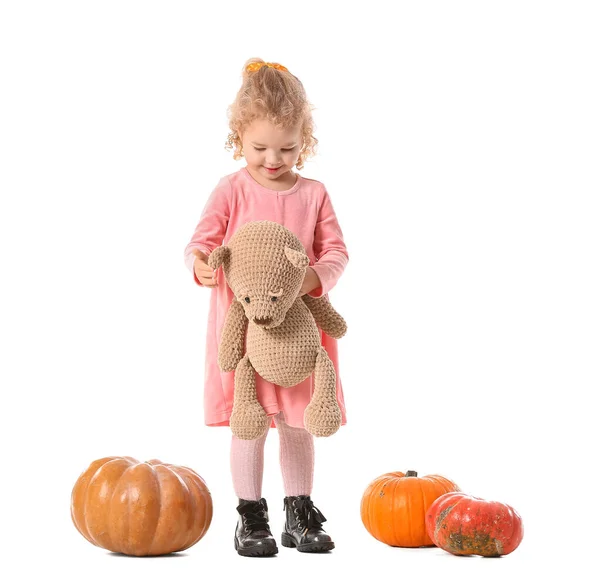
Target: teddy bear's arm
column 231, row 347
column 326, row 316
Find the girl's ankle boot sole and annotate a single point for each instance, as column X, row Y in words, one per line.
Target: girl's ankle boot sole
column 288, row 541
column 256, row 550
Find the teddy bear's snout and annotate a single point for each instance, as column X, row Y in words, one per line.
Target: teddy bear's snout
column 263, row 321
column 265, row 312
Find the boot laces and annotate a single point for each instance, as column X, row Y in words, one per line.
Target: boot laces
column 309, row 517
column 254, row 514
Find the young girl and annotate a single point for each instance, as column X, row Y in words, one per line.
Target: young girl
column 271, row 127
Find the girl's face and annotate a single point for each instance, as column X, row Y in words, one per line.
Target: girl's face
column 271, row 153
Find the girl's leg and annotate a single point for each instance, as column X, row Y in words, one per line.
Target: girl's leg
column 253, row 536
column 296, row 456
column 247, row 462
column 303, row 521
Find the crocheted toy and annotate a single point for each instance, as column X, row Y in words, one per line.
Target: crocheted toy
column 264, row 265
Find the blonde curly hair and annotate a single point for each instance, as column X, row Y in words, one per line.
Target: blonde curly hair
column 275, row 95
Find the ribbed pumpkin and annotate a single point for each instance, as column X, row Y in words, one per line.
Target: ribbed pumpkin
column 393, row 507
column 140, row 509
column 466, row 525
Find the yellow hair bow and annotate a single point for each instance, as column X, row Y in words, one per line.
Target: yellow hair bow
column 254, row 66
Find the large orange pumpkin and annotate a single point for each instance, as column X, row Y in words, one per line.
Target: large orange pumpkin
column 393, row 507
column 135, row 508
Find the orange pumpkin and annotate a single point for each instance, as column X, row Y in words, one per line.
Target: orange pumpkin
column 393, row 507
column 135, row 508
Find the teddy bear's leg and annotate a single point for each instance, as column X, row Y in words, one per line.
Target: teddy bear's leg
column 322, row 416
column 248, row 419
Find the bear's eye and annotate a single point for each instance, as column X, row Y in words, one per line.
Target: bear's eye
column 275, row 294
column 247, row 299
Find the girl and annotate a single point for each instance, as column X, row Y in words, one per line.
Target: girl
column 271, row 126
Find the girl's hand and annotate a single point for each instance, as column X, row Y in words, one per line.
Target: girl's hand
column 310, row 283
column 206, row 275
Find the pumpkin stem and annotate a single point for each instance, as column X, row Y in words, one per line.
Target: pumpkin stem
column 411, row 474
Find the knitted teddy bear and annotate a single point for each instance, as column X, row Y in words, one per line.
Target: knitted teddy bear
column 264, row 265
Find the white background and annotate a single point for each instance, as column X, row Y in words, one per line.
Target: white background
column 459, row 142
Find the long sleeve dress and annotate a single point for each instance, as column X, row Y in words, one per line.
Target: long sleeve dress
column 306, row 210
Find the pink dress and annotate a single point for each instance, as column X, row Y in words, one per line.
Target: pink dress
column 306, row 210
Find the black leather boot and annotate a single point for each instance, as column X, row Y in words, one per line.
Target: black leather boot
column 253, row 537
column 303, row 526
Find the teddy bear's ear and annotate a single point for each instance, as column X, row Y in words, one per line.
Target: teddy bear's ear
column 297, row 258
column 219, row 256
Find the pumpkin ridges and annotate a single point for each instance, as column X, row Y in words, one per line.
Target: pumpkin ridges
column 117, row 522
column 388, row 528
column 160, row 493
column 516, row 535
column 407, row 491
column 203, row 504
column 376, row 511
column 193, row 474
column 156, row 462
column 124, row 466
column 513, row 521
column 428, row 490
column 394, row 520
column 202, row 514
column 187, row 521
column 514, row 525
column 395, row 478
column 192, row 516
column 139, row 510
column 98, row 496
column 78, row 496
column 172, row 502
column 419, row 493
column 379, row 487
